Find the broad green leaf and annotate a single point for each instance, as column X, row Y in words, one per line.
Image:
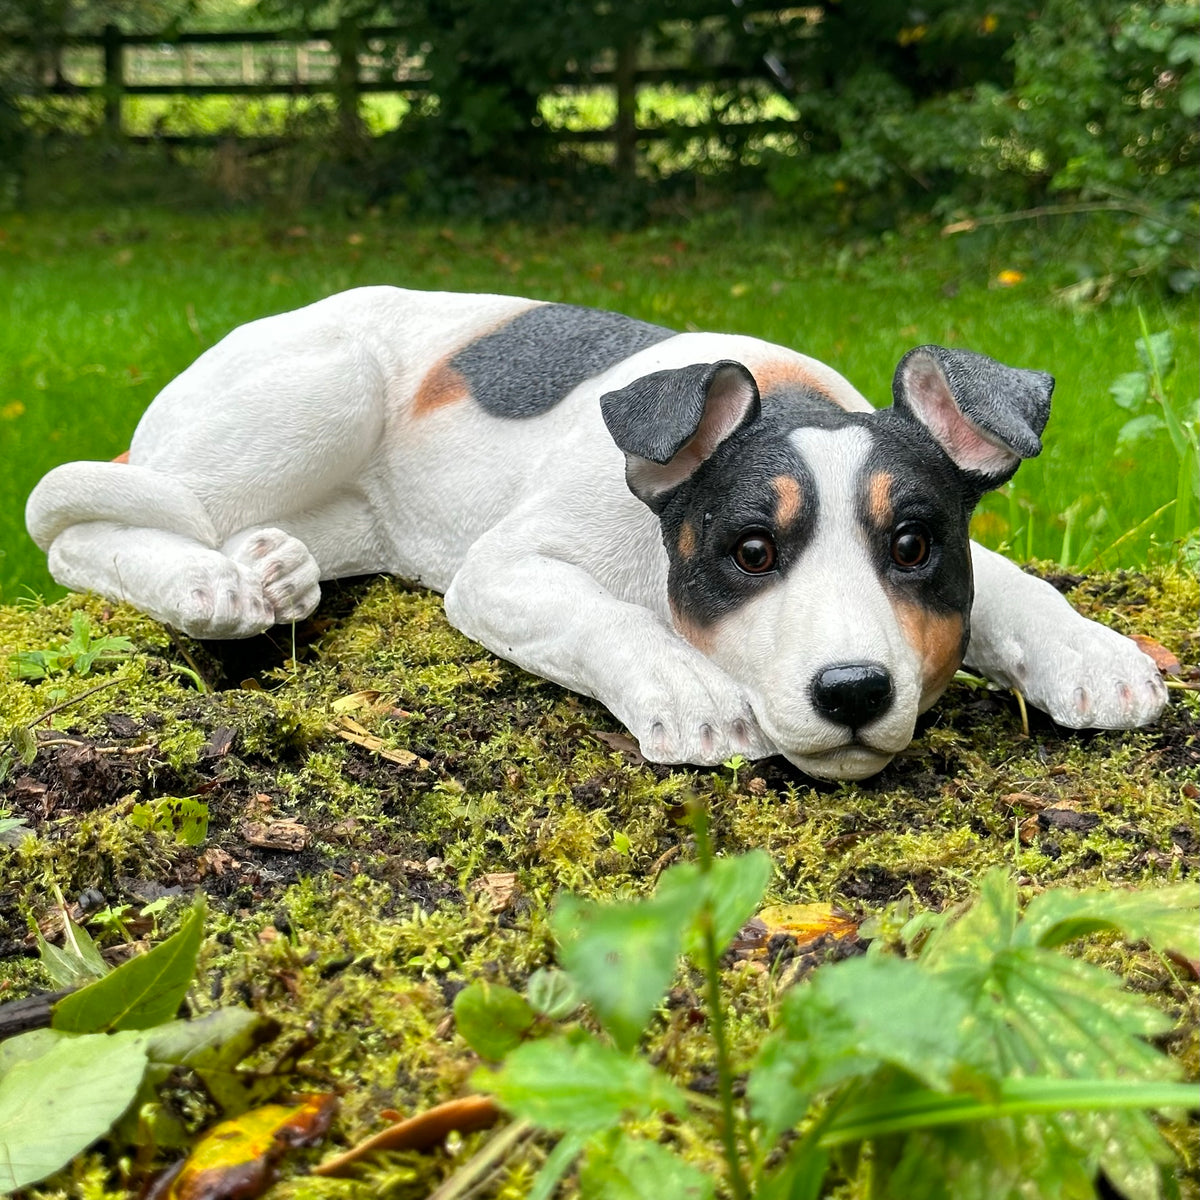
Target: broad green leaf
column 552, row 993
column 492, row 1018
column 13, row 830
column 56, row 1105
column 623, row 956
column 141, row 993
column 179, row 1043
column 851, row 1019
column 628, row 1168
column 77, row 962
column 1164, row 917
column 735, row 888
column 1130, row 390
column 27, row 1046
column 579, row 1085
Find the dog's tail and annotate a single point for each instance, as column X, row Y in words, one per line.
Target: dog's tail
column 77, row 492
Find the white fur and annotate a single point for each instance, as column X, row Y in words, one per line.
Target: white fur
column 289, row 453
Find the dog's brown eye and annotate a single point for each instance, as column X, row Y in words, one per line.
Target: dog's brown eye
column 910, row 545
column 755, row 553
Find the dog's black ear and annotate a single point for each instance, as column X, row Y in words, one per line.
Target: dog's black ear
column 669, row 422
column 984, row 415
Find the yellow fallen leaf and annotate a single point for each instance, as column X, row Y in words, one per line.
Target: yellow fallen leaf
column 236, row 1159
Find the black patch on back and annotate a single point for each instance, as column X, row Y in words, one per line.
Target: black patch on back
column 528, row 365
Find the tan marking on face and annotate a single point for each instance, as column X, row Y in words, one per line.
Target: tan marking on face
column 441, row 386
column 879, row 504
column 789, row 499
column 687, row 540
column 938, row 640
column 123, row 457
column 699, row 637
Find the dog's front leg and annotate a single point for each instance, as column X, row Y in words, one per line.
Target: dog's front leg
column 1026, row 636
column 552, row 618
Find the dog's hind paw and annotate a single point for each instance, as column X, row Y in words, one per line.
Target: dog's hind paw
column 286, row 572
column 1094, row 679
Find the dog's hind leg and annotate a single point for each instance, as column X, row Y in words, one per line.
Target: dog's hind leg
column 1026, row 636
column 133, row 534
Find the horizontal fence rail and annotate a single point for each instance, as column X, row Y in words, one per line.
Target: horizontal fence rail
column 345, row 62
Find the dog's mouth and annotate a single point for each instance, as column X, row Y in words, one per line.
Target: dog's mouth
column 851, row 760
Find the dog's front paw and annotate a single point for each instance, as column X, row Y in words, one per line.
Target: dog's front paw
column 695, row 714
column 1094, row 678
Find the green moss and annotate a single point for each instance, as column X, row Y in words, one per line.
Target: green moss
column 357, row 943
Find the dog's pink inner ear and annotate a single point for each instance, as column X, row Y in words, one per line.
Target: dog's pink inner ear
column 932, row 402
column 731, row 393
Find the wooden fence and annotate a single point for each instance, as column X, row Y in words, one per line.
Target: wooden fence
column 345, row 62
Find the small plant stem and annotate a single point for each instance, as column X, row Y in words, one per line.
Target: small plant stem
column 712, row 973
column 73, row 700
column 479, row 1164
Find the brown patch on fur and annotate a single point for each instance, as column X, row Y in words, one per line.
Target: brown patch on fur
column 776, row 374
column 123, row 457
column 687, row 540
column 879, row 504
column 441, row 386
column 698, row 636
column 789, row 499
column 938, row 640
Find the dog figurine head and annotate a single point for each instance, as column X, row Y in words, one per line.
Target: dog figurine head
column 819, row 556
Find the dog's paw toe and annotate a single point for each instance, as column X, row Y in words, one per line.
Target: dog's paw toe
column 287, row 571
column 223, row 601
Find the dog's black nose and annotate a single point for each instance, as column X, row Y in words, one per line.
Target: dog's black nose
column 852, row 694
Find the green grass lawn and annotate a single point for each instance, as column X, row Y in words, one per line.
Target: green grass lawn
column 102, row 308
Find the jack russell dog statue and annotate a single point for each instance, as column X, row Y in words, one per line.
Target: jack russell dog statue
column 718, row 538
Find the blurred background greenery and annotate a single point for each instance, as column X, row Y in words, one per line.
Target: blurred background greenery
column 850, row 177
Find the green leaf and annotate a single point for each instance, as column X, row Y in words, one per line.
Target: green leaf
column 492, row 1018
column 628, row 1168
column 579, row 1085
column 184, row 817
column 1144, row 426
column 623, row 956
column 76, row 962
column 27, row 1046
column 801, row 1177
column 1164, row 917
column 24, row 743
column 734, row 886
column 1157, row 352
column 1130, row 390
column 13, row 830
column 850, row 1020
column 553, row 993
column 141, row 993
column 54, row 1106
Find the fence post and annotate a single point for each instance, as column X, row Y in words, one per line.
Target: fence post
column 625, row 80
column 114, row 79
column 346, row 83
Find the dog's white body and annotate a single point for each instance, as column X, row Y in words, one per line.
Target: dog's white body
column 335, row 440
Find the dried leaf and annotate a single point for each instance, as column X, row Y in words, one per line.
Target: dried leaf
column 621, row 742
column 356, row 701
column 351, row 731
column 498, row 888
column 281, row 834
column 1164, row 660
column 806, row 922
column 422, row 1132
column 236, row 1159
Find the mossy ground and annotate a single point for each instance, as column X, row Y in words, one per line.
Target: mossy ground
column 358, row 942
